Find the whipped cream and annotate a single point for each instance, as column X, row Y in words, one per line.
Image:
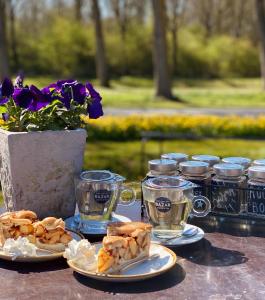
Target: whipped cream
column 82, row 254
column 19, row 247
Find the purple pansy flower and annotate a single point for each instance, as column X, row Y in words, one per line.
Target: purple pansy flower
column 6, row 90
column 31, row 98
column 23, row 97
column 71, row 89
column 40, row 99
column 95, row 108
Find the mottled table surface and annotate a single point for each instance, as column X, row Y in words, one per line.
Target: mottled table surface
column 221, row 266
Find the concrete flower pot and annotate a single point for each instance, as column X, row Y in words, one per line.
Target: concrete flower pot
column 37, row 170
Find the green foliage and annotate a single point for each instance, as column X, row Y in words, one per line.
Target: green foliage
column 66, row 48
column 52, row 117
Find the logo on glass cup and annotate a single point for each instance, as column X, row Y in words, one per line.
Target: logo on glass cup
column 199, row 203
column 163, row 204
column 102, row 196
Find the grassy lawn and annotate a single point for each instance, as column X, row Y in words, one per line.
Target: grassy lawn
column 128, row 92
column 125, row 157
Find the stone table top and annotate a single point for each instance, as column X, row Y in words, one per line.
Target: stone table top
column 221, row 266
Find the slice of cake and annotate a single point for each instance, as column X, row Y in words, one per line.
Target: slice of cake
column 124, row 243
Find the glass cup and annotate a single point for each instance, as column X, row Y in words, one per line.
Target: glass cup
column 98, row 193
column 169, row 201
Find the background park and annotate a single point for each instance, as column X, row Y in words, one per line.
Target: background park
column 191, row 68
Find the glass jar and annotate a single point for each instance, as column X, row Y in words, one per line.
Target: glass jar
column 256, row 192
column 197, row 172
column 210, row 159
column 227, row 194
column 159, row 167
column 258, row 162
column 178, row 157
column 162, row 167
column 243, row 161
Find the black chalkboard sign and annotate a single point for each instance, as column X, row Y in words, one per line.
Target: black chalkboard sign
column 256, row 199
column 225, row 197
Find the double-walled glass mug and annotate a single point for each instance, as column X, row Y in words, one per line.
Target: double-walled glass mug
column 98, row 193
column 169, row 201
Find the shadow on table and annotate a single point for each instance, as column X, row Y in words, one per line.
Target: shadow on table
column 161, row 282
column 204, row 253
column 37, row 267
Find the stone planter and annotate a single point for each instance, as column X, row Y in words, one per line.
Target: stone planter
column 37, row 170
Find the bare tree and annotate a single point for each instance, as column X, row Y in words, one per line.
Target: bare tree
column 260, row 10
column 4, row 65
column 161, row 70
column 101, row 61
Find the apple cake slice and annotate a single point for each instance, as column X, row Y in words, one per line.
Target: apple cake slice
column 124, row 243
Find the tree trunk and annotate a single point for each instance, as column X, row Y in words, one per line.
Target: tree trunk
column 13, row 38
column 174, row 50
column 4, row 65
column 161, row 70
column 101, row 61
column 260, row 10
column 78, row 10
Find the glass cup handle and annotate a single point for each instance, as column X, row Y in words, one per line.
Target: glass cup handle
column 201, row 206
column 132, row 191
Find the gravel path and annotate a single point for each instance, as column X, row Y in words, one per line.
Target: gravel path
column 186, row 111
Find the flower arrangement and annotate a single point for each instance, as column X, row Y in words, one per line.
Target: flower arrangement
column 57, row 106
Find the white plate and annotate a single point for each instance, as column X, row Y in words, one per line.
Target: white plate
column 72, row 223
column 41, row 256
column 148, row 269
column 182, row 240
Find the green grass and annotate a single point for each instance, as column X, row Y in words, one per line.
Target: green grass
column 125, row 157
column 130, row 92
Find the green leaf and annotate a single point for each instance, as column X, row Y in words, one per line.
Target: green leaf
column 2, row 109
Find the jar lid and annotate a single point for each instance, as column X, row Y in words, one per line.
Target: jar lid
column 162, row 165
column 168, row 182
column 194, row 167
column 178, row 157
column 259, row 162
column 229, row 170
column 243, row 161
column 210, row 159
column 256, row 172
column 97, row 175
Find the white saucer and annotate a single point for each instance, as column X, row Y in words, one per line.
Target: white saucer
column 182, row 240
column 73, row 223
column 148, row 269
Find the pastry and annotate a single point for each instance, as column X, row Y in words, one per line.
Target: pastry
column 124, row 243
column 49, row 234
column 15, row 224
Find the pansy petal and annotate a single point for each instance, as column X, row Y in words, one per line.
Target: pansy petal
column 60, row 83
column 7, row 88
column 5, row 116
column 79, row 93
column 3, row 100
column 95, row 110
column 92, row 92
column 23, row 97
column 40, row 99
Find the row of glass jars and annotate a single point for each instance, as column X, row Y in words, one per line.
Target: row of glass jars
column 232, row 185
